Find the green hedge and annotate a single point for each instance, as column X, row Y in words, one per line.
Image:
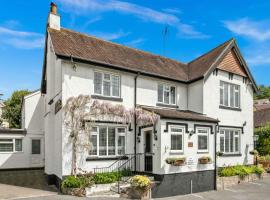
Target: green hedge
column 240, row 170
column 77, row 182
column 110, row 177
column 263, row 144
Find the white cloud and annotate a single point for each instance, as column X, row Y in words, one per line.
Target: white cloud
column 21, row 39
column 110, row 36
column 135, row 43
column 172, row 10
column 258, row 30
column 147, row 14
column 258, row 56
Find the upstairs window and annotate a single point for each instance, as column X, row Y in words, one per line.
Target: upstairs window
column 106, row 84
column 229, row 95
column 166, row 94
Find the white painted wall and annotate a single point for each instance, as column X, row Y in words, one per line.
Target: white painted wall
column 195, row 96
column 229, row 117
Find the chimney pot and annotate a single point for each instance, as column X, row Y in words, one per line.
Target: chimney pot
column 53, row 8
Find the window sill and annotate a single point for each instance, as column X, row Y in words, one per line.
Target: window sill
column 176, row 152
column 230, row 108
column 202, row 152
column 106, row 158
column 166, row 105
column 232, row 155
column 107, row 98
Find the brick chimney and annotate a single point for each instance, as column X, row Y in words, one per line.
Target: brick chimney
column 54, row 18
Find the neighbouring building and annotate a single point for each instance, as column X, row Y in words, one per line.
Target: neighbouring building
column 204, row 106
column 4, row 123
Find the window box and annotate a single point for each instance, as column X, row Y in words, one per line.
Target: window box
column 204, row 160
column 176, row 161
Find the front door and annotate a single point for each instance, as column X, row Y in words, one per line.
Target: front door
column 148, row 159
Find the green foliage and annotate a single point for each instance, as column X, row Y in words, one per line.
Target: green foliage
column 12, row 110
column 110, row 177
column 77, row 182
column 172, row 161
column 264, row 93
column 140, row 181
column 240, row 170
column 263, row 143
column 264, row 158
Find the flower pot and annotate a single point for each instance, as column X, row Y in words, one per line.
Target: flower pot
column 204, row 161
column 139, row 193
column 80, row 192
column 178, row 162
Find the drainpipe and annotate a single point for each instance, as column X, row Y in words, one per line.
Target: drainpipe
column 215, row 171
column 135, row 121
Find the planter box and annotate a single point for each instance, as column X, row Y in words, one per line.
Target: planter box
column 204, row 161
column 136, row 193
column 179, row 163
column 224, row 182
column 74, row 191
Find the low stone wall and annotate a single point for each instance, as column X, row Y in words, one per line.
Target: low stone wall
column 224, row 182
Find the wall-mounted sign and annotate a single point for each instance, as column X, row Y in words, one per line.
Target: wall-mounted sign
column 190, row 144
column 190, row 161
column 57, row 106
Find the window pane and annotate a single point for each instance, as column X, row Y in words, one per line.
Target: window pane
column 115, row 86
column 6, row 140
column 231, row 95
column 97, row 82
column 106, row 88
column 121, row 145
column 6, row 147
column 178, row 130
column 121, row 130
column 231, row 141
column 166, row 96
column 237, row 96
column 221, row 93
column 227, row 141
column 226, row 94
column 202, row 142
column 176, row 142
column 160, row 93
column 172, row 95
column 222, row 143
column 18, row 144
column 236, row 143
column 103, row 141
column 93, row 140
column 35, row 146
column 111, row 141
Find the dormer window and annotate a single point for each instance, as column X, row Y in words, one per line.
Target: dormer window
column 229, row 95
column 106, row 84
column 166, row 94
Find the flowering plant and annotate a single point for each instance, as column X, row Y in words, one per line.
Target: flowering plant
column 142, row 182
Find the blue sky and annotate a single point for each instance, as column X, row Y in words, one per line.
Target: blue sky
column 193, row 29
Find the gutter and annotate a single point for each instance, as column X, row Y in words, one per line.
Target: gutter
column 135, row 121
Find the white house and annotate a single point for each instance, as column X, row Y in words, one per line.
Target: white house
column 3, row 123
column 24, row 148
column 205, row 106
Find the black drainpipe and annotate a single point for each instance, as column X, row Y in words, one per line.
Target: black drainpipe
column 215, row 172
column 135, row 121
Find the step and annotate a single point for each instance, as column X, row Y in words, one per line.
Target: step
column 108, row 194
column 122, row 187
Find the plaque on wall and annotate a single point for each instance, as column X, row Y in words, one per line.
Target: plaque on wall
column 190, row 144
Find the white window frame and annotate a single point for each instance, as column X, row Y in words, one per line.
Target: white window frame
column 203, row 134
column 111, row 87
column 177, row 133
column 235, row 91
column 164, row 85
column 117, row 134
column 11, row 142
column 223, row 134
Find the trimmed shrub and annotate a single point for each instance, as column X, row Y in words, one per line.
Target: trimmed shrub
column 110, row 177
column 240, row 170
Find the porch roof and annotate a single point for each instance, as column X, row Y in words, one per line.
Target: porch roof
column 181, row 114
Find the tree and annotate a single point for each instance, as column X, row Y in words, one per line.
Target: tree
column 263, row 144
column 264, row 92
column 12, row 110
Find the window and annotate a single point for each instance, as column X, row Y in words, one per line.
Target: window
column 202, row 139
column 229, row 95
column 166, row 94
column 230, row 141
column 10, row 145
column 35, row 146
column 108, row 141
column 106, row 84
column 176, row 138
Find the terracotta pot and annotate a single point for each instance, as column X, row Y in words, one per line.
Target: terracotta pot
column 80, row 192
column 265, row 164
column 179, row 162
column 203, row 161
column 138, row 193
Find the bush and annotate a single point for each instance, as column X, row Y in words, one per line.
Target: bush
column 139, row 181
column 77, row 182
column 110, row 177
column 263, row 144
column 240, row 170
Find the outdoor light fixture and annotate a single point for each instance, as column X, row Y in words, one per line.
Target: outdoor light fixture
column 191, row 132
column 138, row 139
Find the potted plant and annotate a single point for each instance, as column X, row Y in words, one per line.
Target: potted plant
column 176, row 161
column 219, row 153
column 140, row 187
column 204, row 160
column 254, row 152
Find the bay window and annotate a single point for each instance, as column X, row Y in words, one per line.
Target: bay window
column 10, row 145
column 176, row 138
column 106, row 84
column 230, row 141
column 203, row 139
column 107, row 141
column 166, row 94
column 229, row 95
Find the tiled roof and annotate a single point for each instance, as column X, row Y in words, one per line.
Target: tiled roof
column 70, row 43
column 179, row 114
column 261, row 117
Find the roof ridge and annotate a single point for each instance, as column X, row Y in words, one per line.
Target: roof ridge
column 146, row 52
column 211, row 50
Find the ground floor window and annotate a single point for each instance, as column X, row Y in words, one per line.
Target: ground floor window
column 203, row 135
column 108, row 141
column 36, row 146
column 10, row 145
column 230, row 140
column 176, row 138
